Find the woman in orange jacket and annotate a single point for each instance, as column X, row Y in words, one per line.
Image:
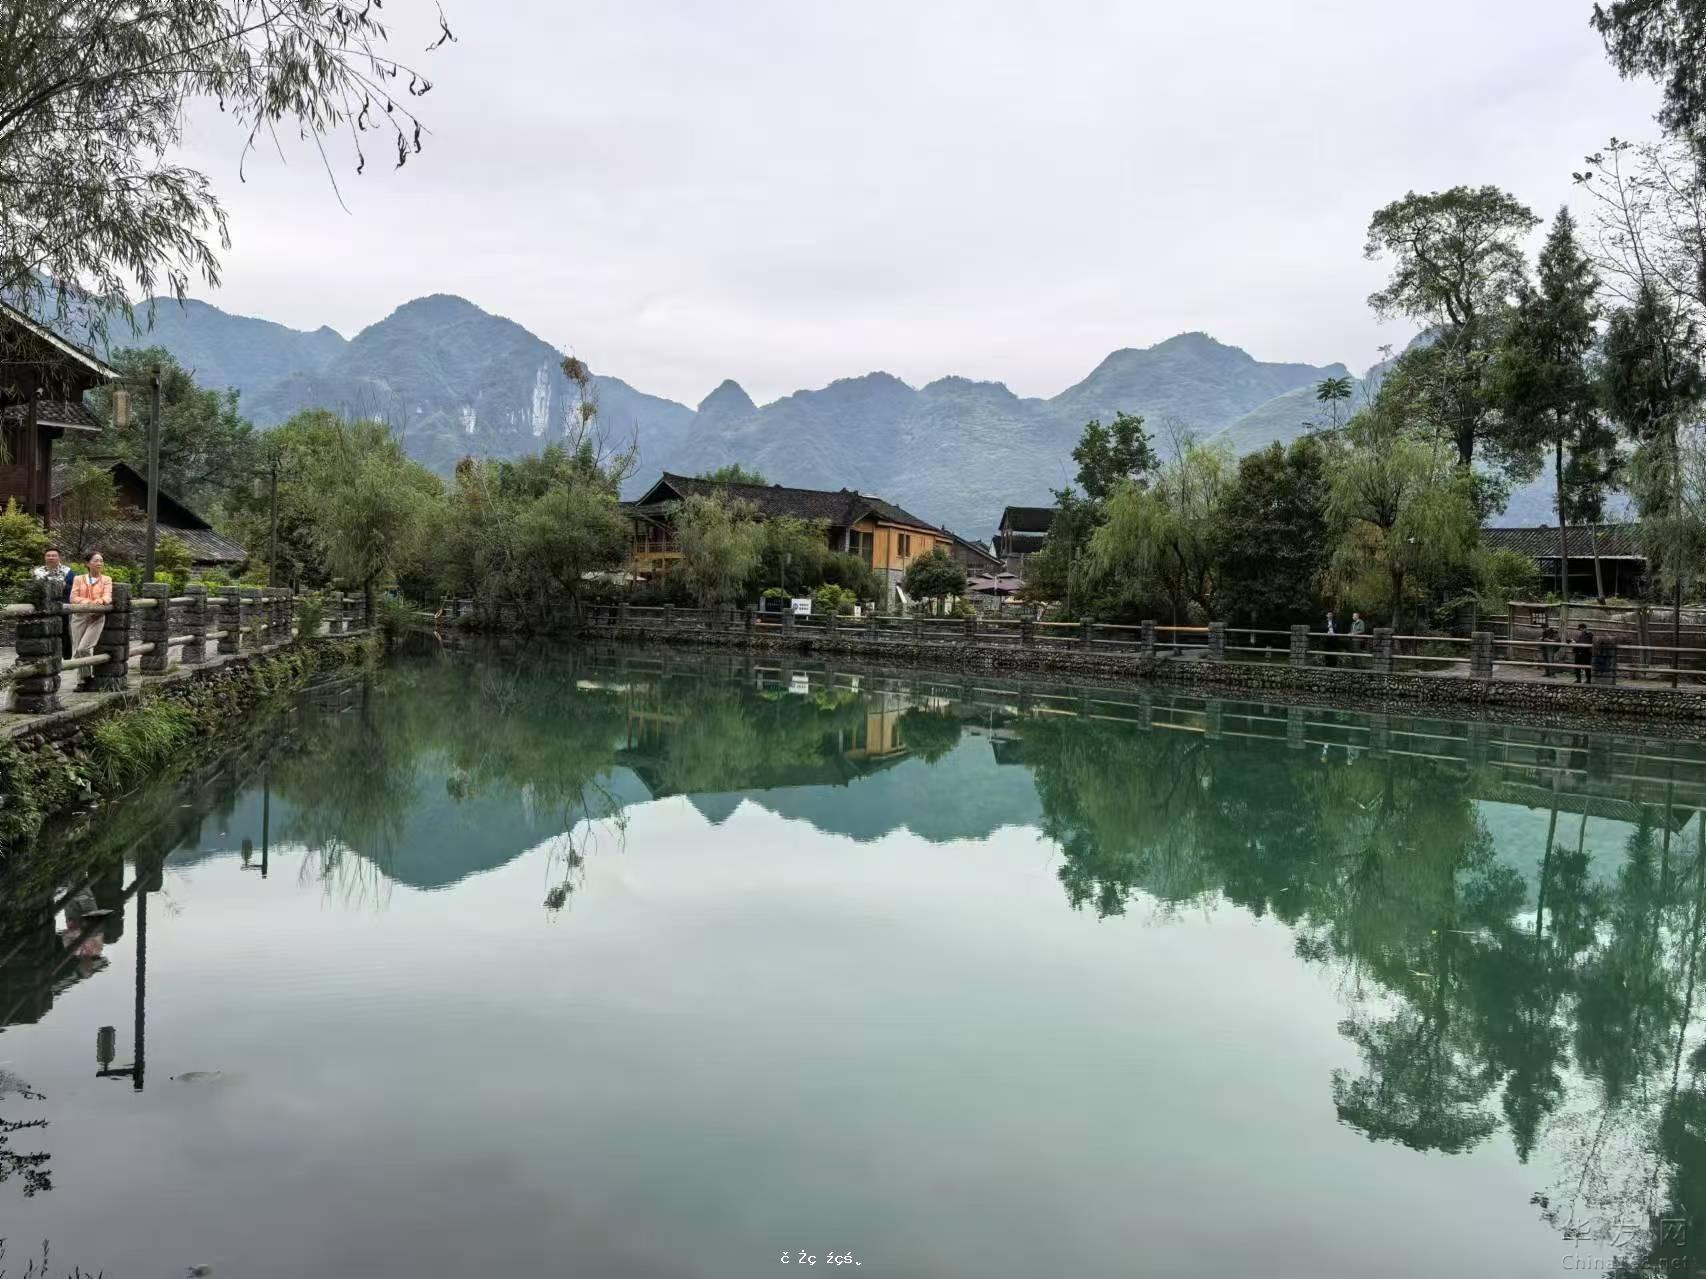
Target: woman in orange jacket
column 92, row 586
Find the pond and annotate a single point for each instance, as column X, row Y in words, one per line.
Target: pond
column 622, row 964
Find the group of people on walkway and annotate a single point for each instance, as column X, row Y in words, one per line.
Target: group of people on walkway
column 1581, row 649
column 90, row 587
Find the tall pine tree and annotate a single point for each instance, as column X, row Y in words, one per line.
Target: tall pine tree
column 1544, row 387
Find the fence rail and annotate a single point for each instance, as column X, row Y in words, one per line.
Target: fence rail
column 142, row 628
column 1480, row 655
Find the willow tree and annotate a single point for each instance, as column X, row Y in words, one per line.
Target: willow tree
column 93, row 99
column 721, row 547
column 371, row 503
column 1163, row 539
column 1403, row 512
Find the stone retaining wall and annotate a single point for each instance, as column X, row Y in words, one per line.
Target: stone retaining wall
column 1627, row 702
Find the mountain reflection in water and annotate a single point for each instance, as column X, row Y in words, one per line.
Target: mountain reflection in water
column 1513, row 919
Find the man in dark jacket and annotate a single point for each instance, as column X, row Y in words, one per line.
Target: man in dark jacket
column 1582, row 642
column 54, row 568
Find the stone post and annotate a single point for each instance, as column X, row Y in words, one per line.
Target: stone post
column 787, row 616
column 1084, row 635
column 971, row 628
column 39, row 639
column 669, row 617
column 1217, row 642
column 252, row 599
column 286, row 613
column 1146, row 644
column 751, row 619
column 1027, row 632
column 1605, row 659
column 155, row 626
column 194, row 652
column 114, row 673
column 918, row 630
column 1300, row 644
column 230, row 618
column 1481, row 655
column 1382, row 650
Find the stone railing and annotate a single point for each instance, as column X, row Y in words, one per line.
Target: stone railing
column 144, row 626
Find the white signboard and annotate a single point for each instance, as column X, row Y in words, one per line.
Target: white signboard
column 803, row 608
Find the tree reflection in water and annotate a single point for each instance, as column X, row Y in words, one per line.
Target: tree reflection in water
column 1556, row 1005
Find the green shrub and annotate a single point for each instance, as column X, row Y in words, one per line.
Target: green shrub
column 310, row 614
column 832, row 600
column 172, row 560
column 22, row 544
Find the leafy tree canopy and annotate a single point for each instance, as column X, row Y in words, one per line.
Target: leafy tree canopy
column 733, row 473
column 92, row 104
column 934, row 576
column 1108, row 455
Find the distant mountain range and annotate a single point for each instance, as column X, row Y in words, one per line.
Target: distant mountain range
column 455, row 380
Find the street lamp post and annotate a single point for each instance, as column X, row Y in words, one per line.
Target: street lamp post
column 153, row 474
column 272, row 536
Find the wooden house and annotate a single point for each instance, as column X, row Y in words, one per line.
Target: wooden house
column 1622, row 558
column 1022, row 533
column 121, row 534
column 43, row 379
column 882, row 534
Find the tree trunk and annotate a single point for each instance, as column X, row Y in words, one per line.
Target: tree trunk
column 1563, row 539
column 1546, row 862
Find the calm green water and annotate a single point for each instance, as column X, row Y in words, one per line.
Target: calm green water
column 617, row 966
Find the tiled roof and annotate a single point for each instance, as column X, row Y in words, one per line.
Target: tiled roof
column 1029, row 519
column 979, row 549
column 64, row 413
column 126, row 540
column 839, row 507
column 1616, row 541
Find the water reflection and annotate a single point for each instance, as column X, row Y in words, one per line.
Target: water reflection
column 1513, row 918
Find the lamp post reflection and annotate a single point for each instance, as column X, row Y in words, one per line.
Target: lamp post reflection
column 148, row 879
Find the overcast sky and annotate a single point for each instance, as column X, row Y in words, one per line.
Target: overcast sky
column 786, row 193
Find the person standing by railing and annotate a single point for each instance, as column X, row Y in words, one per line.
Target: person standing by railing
column 54, row 569
column 1548, row 650
column 1582, row 642
column 92, row 587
